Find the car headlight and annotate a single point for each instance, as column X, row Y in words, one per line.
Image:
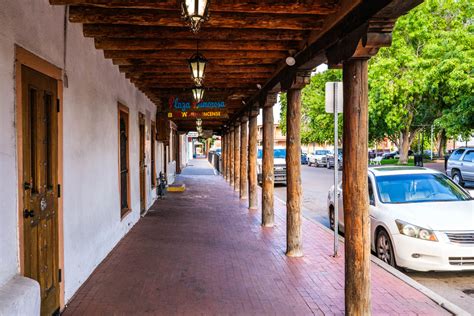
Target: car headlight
column 415, row 231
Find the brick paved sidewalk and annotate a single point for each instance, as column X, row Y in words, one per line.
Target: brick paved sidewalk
column 203, row 253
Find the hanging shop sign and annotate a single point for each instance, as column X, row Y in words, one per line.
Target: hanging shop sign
column 175, row 104
column 192, row 115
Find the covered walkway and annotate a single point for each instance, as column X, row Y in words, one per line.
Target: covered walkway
column 202, row 252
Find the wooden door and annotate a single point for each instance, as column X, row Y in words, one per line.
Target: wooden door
column 142, row 164
column 40, row 187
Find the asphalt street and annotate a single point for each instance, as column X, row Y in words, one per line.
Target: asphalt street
column 457, row 287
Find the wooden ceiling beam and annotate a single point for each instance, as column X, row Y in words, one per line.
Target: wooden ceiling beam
column 163, row 32
column 268, row 6
column 212, row 68
column 183, row 62
column 187, row 76
column 187, row 83
column 163, row 44
column 185, row 54
column 96, row 15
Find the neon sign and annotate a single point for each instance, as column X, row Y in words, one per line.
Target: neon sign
column 178, row 105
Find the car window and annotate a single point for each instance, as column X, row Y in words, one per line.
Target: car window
column 469, row 156
column 457, row 154
column 277, row 153
column 371, row 194
column 413, row 188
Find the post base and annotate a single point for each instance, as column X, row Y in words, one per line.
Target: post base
column 294, row 253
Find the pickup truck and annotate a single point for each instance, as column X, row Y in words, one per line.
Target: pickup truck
column 318, row 158
column 279, row 165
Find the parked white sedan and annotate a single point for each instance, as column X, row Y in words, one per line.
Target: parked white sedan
column 420, row 219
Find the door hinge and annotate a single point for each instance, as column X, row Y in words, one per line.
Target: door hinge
column 59, row 190
column 58, row 105
column 60, row 275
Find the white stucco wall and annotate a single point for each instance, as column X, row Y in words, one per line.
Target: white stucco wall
column 92, row 223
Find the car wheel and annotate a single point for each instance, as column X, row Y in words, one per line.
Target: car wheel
column 331, row 218
column 384, row 248
column 457, row 177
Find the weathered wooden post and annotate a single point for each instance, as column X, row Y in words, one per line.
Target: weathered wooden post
column 268, row 216
column 237, row 156
column 294, row 242
column 227, row 156
column 223, row 154
column 252, row 171
column 243, row 158
column 231, row 156
column 354, row 52
column 355, row 187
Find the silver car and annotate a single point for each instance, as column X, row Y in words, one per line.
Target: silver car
column 460, row 165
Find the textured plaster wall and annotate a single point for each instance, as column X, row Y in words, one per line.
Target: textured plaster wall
column 92, row 223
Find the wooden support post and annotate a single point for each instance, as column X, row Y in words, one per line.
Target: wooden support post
column 223, row 154
column 294, row 240
column 237, row 156
column 268, row 216
column 253, row 160
column 243, row 158
column 226, row 169
column 355, row 188
column 231, row 157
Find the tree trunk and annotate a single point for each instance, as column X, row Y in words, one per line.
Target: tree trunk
column 404, row 147
column 441, row 146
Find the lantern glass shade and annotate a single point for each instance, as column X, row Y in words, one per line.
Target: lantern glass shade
column 197, row 65
column 198, row 94
column 195, row 12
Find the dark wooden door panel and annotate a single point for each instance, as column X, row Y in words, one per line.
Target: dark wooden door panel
column 40, row 152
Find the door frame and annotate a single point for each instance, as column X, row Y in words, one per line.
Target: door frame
column 26, row 58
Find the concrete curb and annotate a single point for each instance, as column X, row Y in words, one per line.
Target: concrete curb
column 438, row 299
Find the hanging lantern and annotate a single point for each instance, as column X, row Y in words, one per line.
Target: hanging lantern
column 197, row 65
column 194, row 12
column 198, row 94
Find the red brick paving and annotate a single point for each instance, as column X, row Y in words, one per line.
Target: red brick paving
column 203, row 253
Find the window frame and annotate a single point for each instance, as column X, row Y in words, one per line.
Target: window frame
column 124, row 110
column 466, row 153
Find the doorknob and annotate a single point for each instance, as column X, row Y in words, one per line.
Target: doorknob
column 27, row 213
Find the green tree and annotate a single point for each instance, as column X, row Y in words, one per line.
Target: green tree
column 316, row 125
column 426, row 76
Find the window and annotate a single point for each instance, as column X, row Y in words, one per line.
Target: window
column 371, row 194
column 469, row 156
column 153, row 164
column 413, row 188
column 457, row 154
column 124, row 164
